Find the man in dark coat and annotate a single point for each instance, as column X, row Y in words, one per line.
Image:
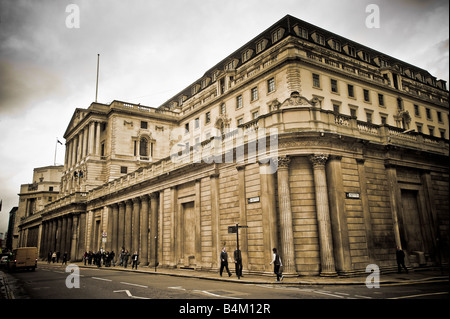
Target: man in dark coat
column 401, row 260
column 238, row 262
column 224, row 262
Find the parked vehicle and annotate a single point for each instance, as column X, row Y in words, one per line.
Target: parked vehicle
column 4, row 262
column 23, row 258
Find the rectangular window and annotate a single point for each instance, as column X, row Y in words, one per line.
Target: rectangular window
column 254, row 94
column 336, row 108
column 381, row 99
column 276, row 36
column 255, row 114
column 208, row 117
column 334, row 86
column 240, row 121
column 144, row 124
column 369, row 117
column 197, row 123
column 222, row 108
column 439, row 116
column 431, row 130
column 353, row 113
column 419, row 128
column 366, row 95
column 428, row 111
column 239, row 102
column 271, row 85
column 383, row 119
column 316, row 80
column 416, row 110
column 186, row 128
column 350, row 89
column 123, row 170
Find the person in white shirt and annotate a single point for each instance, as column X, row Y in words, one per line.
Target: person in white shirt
column 277, row 264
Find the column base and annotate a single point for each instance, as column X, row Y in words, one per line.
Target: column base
column 328, row 274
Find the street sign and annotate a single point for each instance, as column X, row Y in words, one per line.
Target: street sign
column 232, row 229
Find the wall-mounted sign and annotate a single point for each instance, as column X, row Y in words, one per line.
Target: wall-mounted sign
column 352, row 195
column 252, row 200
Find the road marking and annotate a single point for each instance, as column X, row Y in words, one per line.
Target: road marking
column 101, row 279
column 127, row 283
column 130, row 295
column 415, row 282
column 421, row 295
column 215, row 295
column 177, row 288
column 358, row 296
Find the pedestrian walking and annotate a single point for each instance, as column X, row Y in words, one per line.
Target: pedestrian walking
column 85, row 257
column 49, row 257
column 400, row 254
column 238, row 263
column 224, row 262
column 64, row 261
column 277, row 264
column 126, row 255
column 112, row 256
column 54, row 257
column 135, row 260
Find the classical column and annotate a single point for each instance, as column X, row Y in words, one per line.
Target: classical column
column 97, row 139
column 74, row 246
column 243, row 239
column 121, row 227
column 395, row 201
column 82, row 235
column 109, row 228
column 323, row 215
column 115, row 228
column 215, row 225
column 128, row 224
column 59, row 234
column 339, row 229
column 52, row 235
column 268, row 205
column 136, row 224
column 286, row 229
column 91, row 138
column 143, row 255
column 154, row 204
column 68, row 235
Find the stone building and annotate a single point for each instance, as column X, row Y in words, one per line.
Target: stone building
column 32, row 200
column 326, row 149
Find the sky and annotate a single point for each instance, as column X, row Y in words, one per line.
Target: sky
column 151, row 49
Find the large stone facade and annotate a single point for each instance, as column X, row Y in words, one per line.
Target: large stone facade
column 330, row 151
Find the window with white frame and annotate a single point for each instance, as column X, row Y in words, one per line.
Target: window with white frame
column 254, row 94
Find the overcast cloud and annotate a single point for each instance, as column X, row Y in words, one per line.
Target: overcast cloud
column 151, row 50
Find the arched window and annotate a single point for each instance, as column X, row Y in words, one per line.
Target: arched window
column 143, row 147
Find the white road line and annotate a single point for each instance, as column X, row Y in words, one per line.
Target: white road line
column 358, row 296
column 177, row 288
column 324, row 293
column 127, row 283
column 101, row 279
column 215, row 295
column 421, row 295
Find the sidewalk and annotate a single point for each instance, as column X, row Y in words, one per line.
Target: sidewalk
column 414, row 275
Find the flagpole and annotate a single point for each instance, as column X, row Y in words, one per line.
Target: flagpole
column 96, row 85
column 56, row 147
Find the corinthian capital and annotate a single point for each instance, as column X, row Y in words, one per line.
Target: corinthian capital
column 283, row 161
column 318, row 159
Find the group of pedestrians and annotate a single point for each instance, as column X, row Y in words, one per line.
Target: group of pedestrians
column 108, row 259
column 237, row 256
column 54, row 256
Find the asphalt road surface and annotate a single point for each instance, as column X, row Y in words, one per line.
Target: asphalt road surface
column 53, row 282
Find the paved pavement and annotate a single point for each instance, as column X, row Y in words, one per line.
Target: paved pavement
column 414, row 275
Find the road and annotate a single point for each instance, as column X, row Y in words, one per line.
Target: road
column 49, row 282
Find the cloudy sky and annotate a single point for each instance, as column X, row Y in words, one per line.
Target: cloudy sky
column 150, row 50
